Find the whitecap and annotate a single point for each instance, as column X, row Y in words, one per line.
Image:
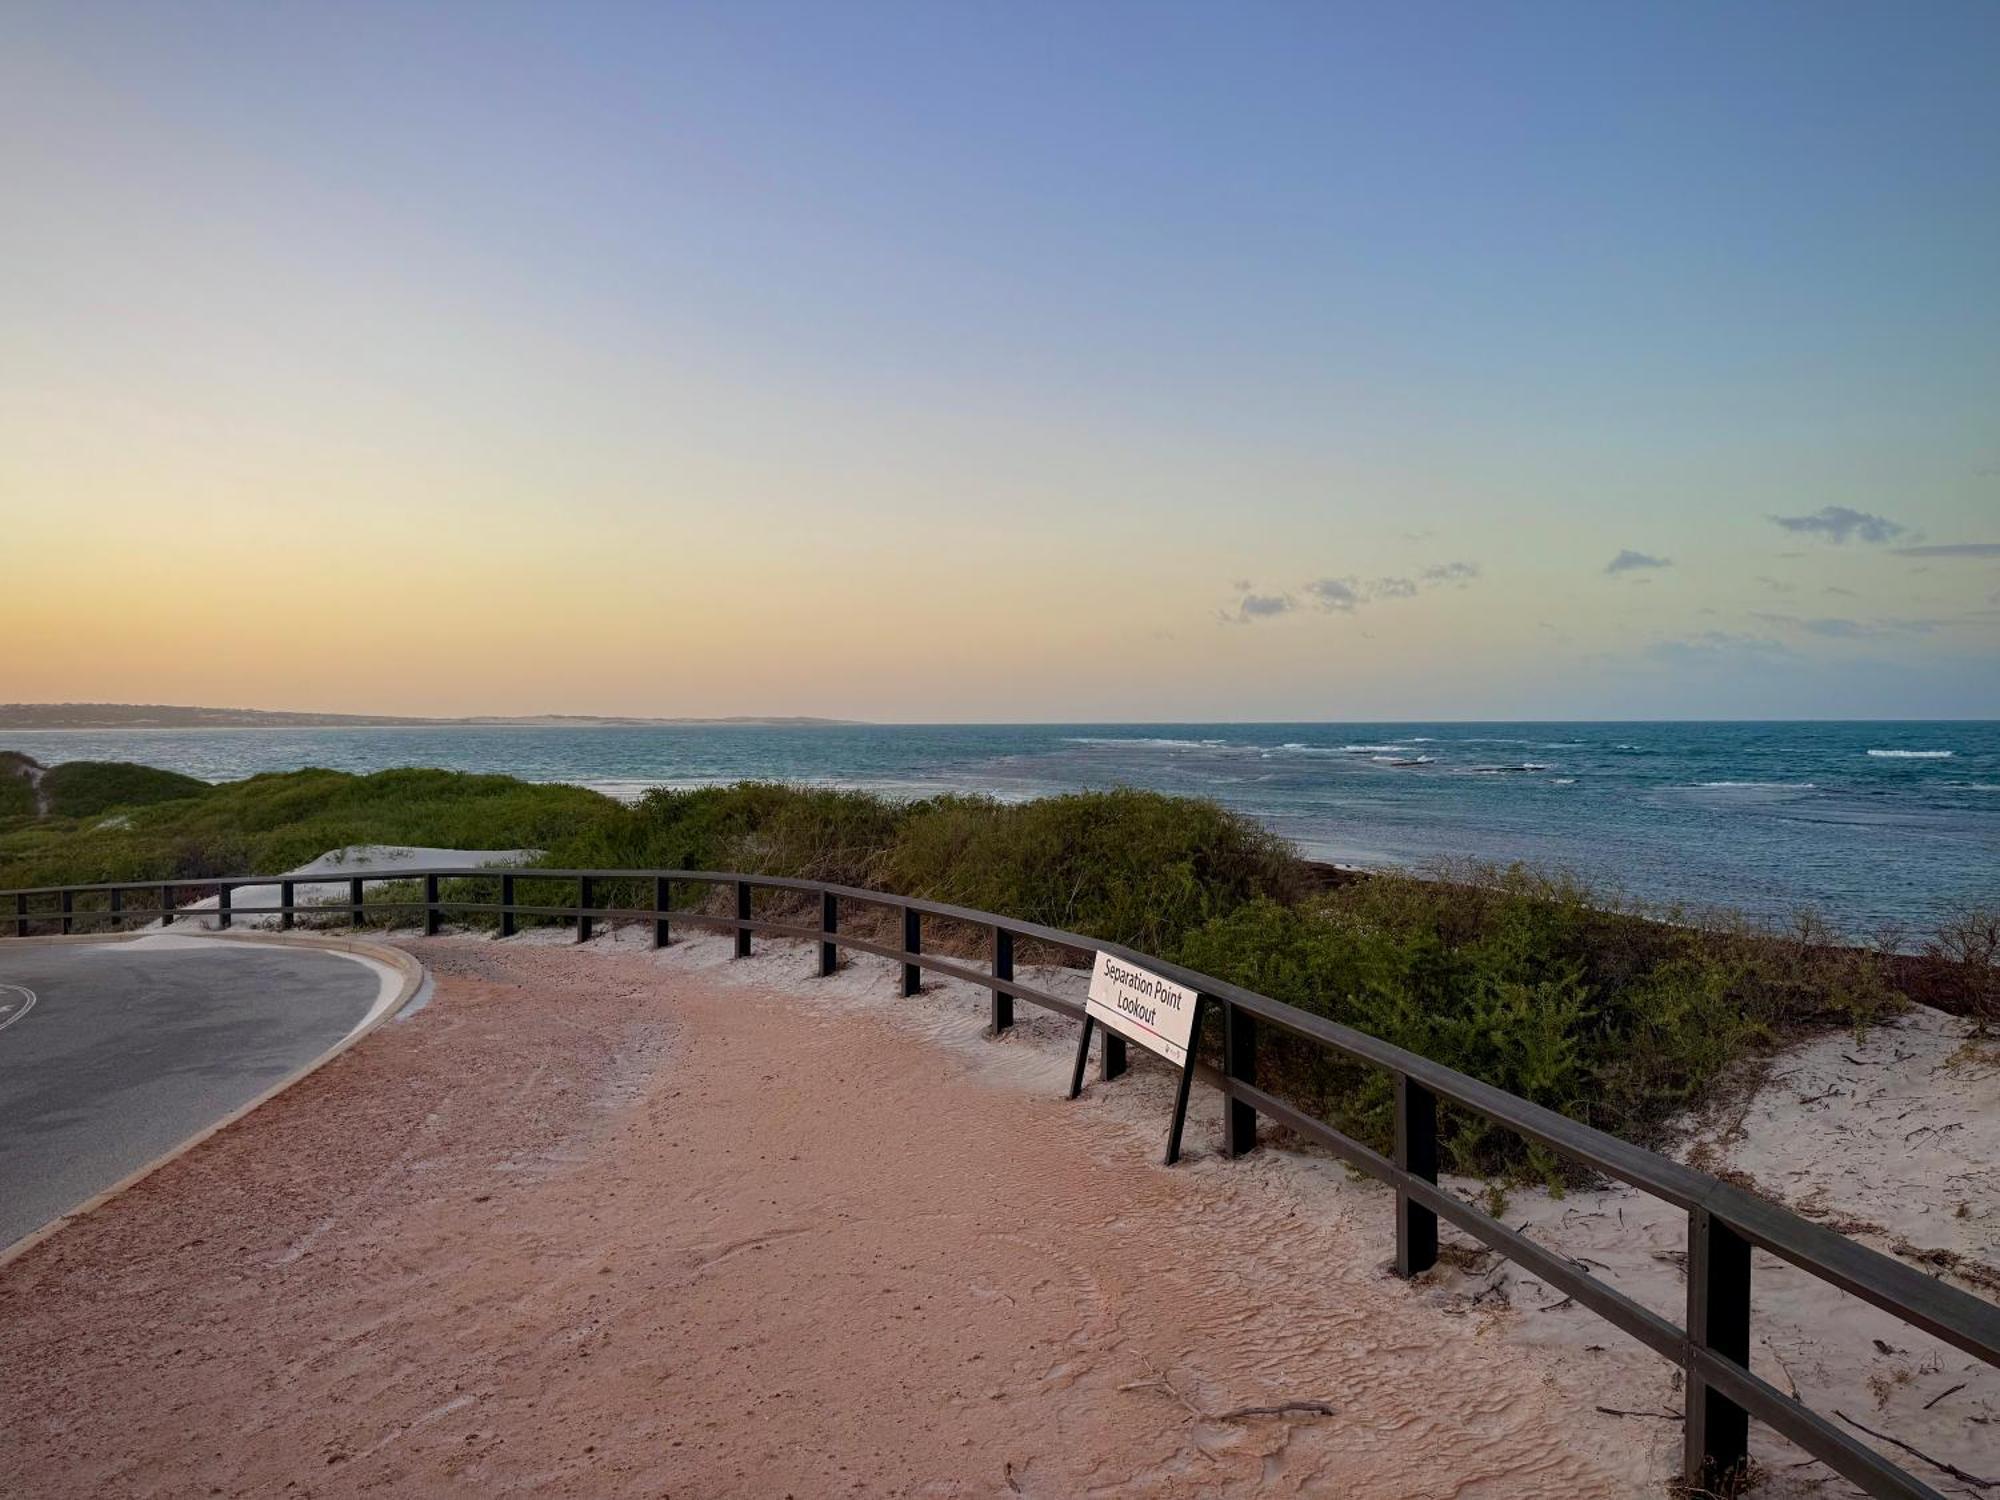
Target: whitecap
column 1759, row 787
column 1911, row 754
column 1142, row 742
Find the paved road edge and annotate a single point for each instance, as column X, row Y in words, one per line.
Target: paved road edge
column 413, row 974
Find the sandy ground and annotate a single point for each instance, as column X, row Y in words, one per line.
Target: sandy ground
column 600, row 1223
column 338, row 866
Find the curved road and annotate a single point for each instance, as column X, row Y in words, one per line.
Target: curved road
column 111, row 1055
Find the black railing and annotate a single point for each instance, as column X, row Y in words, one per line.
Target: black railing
column 1725, row 1223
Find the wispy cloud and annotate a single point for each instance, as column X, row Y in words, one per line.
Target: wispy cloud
column 1452, row 572
column 1951, row 549
column 1343, row 595
column 1264, row 606
column 1775, row 585
column 1711, row 646
column 1628, row 561
column 1839, row 523
column 1839, row 628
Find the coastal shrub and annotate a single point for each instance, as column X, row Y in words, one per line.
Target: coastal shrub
column 85, row 788
column 1526, row 984
column 1133, row 867
column 1966, row 945
column 17, row 794
column 760, row 828
column 275, row 822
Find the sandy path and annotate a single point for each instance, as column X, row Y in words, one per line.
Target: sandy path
column 587, row 1225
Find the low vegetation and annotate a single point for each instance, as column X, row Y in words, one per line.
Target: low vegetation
column 17, row 785
column 1539, row 986
column 1134, row 867
column 271, row 822
column 85, row 789
column 1534, row 986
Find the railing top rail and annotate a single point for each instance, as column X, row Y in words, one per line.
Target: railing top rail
column 1968, row 1322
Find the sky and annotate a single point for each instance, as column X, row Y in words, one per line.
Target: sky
column 1003, row 362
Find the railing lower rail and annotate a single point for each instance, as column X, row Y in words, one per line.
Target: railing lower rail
column 1725, row 1223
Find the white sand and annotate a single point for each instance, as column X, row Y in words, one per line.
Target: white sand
column 356, row 859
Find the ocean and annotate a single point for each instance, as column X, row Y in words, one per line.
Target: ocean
column 1872, row 825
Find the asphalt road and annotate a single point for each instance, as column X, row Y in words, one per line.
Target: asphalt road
column 112, row 1055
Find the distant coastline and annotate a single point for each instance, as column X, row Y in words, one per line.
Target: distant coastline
column 31, row 716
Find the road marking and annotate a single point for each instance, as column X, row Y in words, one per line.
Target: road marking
column 12, row 1010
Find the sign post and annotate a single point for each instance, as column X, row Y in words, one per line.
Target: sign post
column 1164, row 1017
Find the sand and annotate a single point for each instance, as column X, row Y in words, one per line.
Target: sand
column 595, row 1224
column 337, row 867
column 601, row 1221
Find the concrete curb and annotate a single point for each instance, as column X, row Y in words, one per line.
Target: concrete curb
column 413, row 973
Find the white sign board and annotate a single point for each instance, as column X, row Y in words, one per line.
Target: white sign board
column 1152, row 1011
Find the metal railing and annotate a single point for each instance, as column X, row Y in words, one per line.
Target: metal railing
column 1725, row 1223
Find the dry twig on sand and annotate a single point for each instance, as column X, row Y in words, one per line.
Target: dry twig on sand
column 1282, row 1409
column 1936, row 1463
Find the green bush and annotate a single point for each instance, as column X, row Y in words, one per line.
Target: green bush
column 89, row 788
column 1135, row 867
column 1132, row 867
column 270, row 823
column 1525, row 984
column 759, row 828
column 17, row 794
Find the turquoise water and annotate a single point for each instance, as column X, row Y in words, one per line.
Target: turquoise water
column 1869, row 823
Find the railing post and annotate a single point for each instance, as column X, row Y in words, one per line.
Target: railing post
column 662, row 903
column 117, row 906
column 433, row 918
column 506, row 906
column 21, row 916
column 1417, row 1154
column 829, row 922
column 223, row 895
column 586, row 891
column 285, row 894
column 1718, row 1319
column 68, row 906
column 354, row 900
column 743, row 915
column 1239, row 1061
column 166, row 906
column 913, row 942
column 1112, row 1061
column 1003, row 968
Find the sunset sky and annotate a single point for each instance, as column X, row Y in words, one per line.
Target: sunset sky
column 1003, row 362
